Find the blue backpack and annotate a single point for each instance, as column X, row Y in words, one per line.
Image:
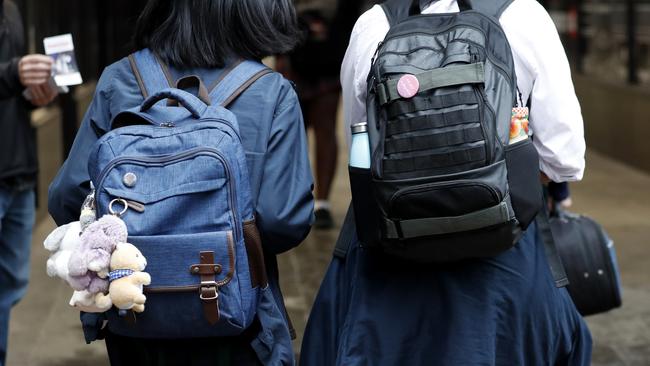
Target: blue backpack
column 176, row 174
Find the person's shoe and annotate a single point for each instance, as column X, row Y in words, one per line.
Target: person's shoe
column 323, row 219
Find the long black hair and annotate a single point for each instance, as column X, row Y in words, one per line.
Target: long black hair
column 206, row 33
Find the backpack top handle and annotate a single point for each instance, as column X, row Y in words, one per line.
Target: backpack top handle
column 193, row 104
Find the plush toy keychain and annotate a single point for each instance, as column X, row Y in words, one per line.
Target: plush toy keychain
column 126, row 279
column 62, row 242
column 83, row 253
column 125, row 291
column 89, row 263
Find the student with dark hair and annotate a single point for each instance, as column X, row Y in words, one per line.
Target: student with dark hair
column 326, row 27
column 208, row 38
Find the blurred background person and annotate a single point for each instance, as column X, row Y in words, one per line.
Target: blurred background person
column 18, row 163
column 314, row 68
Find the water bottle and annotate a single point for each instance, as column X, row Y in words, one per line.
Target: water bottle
column 360, row 149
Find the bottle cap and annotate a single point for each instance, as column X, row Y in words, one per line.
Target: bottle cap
column 359, row 127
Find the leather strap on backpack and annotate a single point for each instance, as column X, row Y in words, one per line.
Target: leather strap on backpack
column 244, row 86
column 208, row 291
column 253, row 242
column 138, row 76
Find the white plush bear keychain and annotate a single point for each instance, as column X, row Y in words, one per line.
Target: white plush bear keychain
column 61, row 243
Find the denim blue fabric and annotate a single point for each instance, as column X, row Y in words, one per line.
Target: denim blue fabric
column 196, row 167
column 16, row 222
column 275, row 153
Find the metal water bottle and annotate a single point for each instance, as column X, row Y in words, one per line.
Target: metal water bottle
column 360, row 147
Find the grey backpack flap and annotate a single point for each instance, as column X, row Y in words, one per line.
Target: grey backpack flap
column 445, row 184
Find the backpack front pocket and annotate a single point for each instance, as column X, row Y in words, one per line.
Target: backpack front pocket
column 524, row 180
column 162, row 190
column 193, row 277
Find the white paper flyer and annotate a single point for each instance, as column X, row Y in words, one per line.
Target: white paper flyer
column 61, row 49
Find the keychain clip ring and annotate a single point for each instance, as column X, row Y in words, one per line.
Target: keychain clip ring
column 120, row 201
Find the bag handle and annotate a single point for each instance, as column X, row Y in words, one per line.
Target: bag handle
column 195, row 106
column 192, row 81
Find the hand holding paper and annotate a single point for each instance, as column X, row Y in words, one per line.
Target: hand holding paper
column 34, row 70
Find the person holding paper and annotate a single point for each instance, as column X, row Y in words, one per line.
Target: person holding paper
column 18, row 164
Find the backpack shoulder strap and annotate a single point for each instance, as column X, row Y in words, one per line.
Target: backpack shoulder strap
column 492, row 8
column 151, row 74
column 396, row 10
column 237, row 81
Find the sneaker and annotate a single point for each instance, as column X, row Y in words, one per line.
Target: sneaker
column 323, row 219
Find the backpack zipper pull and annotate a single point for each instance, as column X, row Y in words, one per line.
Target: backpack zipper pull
column 126, row 205
column 136, row 206
column 167, row 124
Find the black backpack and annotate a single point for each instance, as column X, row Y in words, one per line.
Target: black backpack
column 444, row 182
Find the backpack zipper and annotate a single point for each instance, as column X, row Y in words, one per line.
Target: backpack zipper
column 169, row 159
column 458, row 183
column 482, row 105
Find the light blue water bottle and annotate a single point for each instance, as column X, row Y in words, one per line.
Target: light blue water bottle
column 360, row 149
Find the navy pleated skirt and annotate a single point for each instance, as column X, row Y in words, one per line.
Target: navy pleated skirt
column 374, row 310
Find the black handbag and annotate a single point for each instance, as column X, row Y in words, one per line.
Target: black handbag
column 590, row 261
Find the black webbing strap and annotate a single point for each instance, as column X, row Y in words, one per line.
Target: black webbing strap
column 473, row 133
column 552, row 256
column 435, row 160
column 473, row 73
column 398, row 10
column 345, row 236
column 395, row 10
column 431, row 121
column 419, row 103
column 428, row 226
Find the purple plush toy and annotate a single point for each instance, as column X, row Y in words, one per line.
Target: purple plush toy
column 89, row 262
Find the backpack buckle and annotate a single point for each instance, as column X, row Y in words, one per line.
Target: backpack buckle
column 209, row 288
column 208, row 291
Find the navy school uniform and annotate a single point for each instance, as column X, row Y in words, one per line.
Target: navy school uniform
column 273, row 136
column 376, row 311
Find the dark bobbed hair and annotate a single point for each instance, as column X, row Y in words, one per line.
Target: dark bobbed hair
column 206, row 33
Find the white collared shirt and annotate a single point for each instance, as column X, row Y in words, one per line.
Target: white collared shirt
column 542, row 71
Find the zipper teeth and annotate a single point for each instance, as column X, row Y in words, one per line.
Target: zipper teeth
column 413, row 50
column 423, row 187
column 165, row 160
column 152, row 124
column 488, row 147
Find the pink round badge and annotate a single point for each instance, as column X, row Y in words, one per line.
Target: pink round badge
column 407, row 86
